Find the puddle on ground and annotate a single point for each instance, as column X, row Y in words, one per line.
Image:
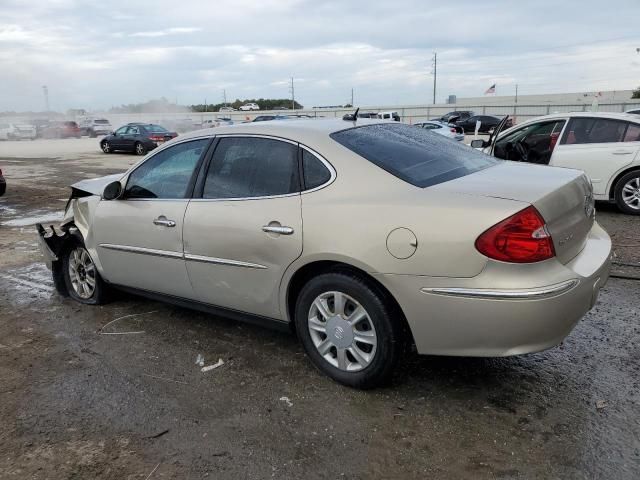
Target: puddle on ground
column 33, row 280
column 32, row 218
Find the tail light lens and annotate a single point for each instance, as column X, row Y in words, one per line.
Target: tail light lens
column 156, row 138
column 453, row 130
column 521, row 238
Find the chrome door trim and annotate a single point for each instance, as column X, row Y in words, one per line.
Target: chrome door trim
column 222, row 261
column 505, row 294
column 142, row 250
column 257, row 135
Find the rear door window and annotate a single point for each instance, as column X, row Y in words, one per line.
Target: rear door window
column 413, row 154
column 593, row 130
column 245, row 167
column 633, row 133
column 314, row 171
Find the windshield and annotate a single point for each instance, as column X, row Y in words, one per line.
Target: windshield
column 415, row 155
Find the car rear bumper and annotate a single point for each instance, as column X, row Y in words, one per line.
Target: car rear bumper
column 506, row 309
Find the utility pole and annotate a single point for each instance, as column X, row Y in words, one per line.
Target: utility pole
column 205, row 105
column 351, row 96
column 435, row 74
column 46, row 97
column 293, row 97
column 224, row 97
column 515, row 105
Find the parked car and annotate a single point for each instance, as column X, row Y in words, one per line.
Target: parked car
column 606, row 146
column 442, row 246
column 17, row 131
column 3, row 184
column 227, row 109
column 217, row 122
column 367, row 114
column 389, row 116
column 456, row 116
column 265, row 118
column 249, row 106
column 95, row 126
column 442, row 128
column 635, row 111
column 61, row 130
column 138, row 138
column 487, row 123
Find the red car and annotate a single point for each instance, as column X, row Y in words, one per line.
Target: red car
column 61, row 130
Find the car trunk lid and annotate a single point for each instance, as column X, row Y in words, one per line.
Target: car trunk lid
column 563, row 197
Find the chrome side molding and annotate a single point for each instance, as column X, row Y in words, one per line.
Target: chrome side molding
column 142, row 250
column 222, row 261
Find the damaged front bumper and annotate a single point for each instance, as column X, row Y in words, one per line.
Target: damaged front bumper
column 52, row 242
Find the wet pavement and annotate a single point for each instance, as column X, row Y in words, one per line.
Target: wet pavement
column 83, row 398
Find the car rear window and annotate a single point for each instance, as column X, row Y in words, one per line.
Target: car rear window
column 155, row 128
column 415, row 155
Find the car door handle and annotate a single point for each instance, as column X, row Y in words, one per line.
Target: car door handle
column 277, row 229
column 622, row 152
column 163, row 221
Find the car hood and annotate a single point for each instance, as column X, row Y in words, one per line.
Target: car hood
column 95, row 186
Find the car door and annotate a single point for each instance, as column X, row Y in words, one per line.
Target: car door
column 597, row 146
column 246, row 228
column 537, row 142
column 117, row 140
column 138, row 236
column 130, row 137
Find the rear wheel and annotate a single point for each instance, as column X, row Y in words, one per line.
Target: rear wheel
column 348, row 330
column 84, row 283
column 140, row 149
column 627, row 193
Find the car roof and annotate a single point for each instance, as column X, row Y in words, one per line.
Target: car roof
column 302, row 130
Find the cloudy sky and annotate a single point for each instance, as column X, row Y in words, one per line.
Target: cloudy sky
column 96, row 54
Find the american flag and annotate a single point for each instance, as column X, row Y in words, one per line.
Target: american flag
column 491, row 89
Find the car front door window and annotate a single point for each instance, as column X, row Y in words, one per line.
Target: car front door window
column 167, row 174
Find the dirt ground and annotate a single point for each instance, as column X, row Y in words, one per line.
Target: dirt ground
column 78, row 404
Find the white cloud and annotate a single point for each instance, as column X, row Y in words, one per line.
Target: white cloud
column 166, row 31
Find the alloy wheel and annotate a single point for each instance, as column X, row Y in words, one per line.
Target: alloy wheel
column 631, row 193
column 82, row 272
column 342, row 331
column 139, row 149
column 106, row 148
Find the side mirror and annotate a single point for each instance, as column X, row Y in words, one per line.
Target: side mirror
column 112, row 191
column 479, row 143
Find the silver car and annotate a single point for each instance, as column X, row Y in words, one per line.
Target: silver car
column 364, row 237
column 444, row 129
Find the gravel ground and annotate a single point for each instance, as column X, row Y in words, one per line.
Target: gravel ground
column 76, row 403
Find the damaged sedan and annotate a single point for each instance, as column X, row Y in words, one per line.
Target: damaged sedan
column 362, row 236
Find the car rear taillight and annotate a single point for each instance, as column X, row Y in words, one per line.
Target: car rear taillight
column 521, row 238
column 156, row 138
column 453, row 130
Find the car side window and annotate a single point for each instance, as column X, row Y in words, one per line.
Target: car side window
column 166, row 174
column 121, row 130
column 593, row 130
column 314, row 171
column 245, row 167
column 633, row 133
column 133, row 131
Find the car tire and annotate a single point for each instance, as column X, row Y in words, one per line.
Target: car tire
column 106, row 146
column 139, row 148
column 81, row 277
column 360, row 353
column 627, row 193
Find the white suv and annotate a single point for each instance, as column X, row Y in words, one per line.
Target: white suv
column 249, row 106
column 95, row 126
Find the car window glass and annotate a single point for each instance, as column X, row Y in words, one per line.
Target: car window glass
column 121, row 130
column 593, row 130
column 413, row 154
column 166, row 174
column 314, row 171
column 133, row 131
column 252, row 167
column 633, row 133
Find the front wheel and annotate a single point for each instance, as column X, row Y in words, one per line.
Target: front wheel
column 349, row 330
column 140, row 149
column 627, row 193
column 106, row 147
column 83, row 282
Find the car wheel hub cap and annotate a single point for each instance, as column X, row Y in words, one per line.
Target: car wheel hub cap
column 342, row 331
column 631, row 193
column 82, row 273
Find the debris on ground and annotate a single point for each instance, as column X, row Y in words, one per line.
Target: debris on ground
column 600, row 404
column 219, row 363
column 200, row 360
column 287, row 401
column 158, row 435
column 102, row 332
